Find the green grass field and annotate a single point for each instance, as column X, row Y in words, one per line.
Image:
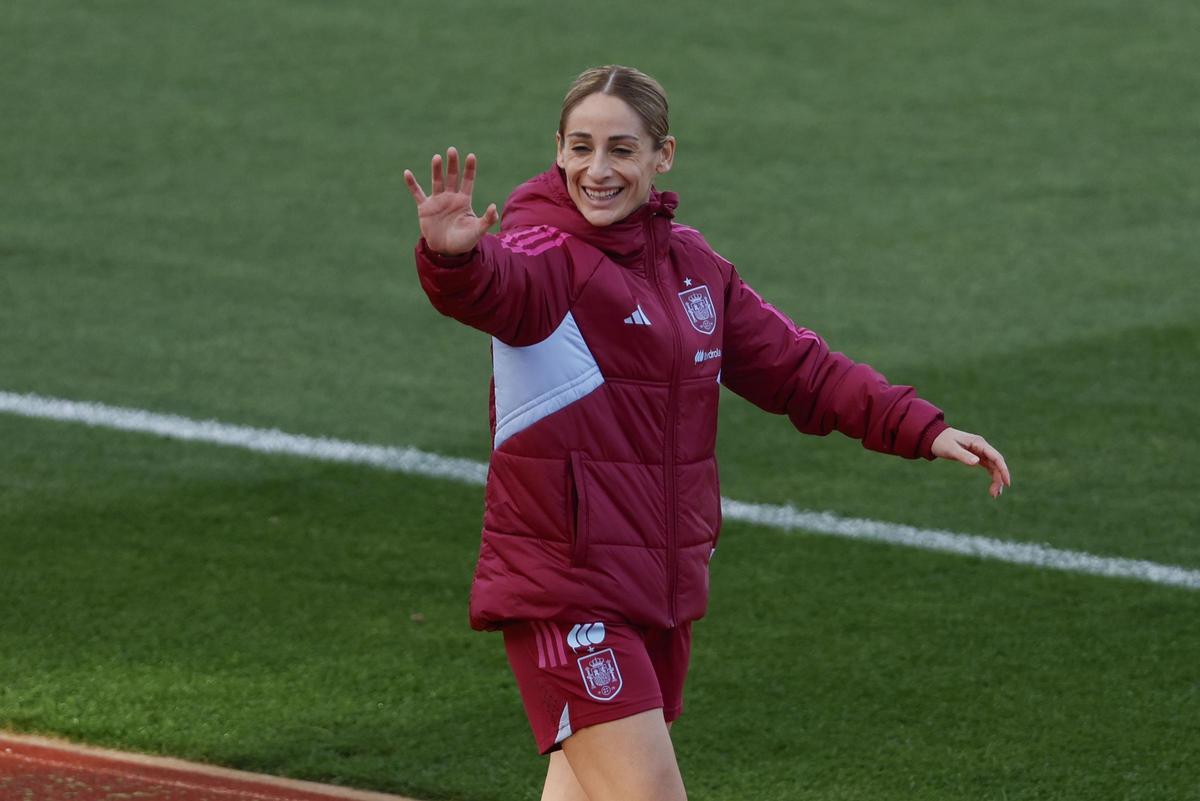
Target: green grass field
column 202, row 214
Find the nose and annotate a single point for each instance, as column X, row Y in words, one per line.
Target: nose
column 599, row 168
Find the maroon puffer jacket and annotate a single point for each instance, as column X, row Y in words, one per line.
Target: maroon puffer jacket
column 609, row 345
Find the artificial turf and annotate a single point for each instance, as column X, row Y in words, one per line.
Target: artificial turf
column 281, row 615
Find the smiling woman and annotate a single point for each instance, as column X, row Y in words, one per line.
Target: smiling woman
column 616, row 144
column 613, row 328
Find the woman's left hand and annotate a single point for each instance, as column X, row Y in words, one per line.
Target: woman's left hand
column 973, row 450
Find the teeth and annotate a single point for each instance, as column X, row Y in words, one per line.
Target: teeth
column 596, row 194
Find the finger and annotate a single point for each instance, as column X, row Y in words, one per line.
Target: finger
column 1001, row 469
column 1004, row 472
column 488, row 219
column 997, row 478
column 468, row 183
column 997, row 485
column 414, row 188
column 993, row 456
column 435, row 169
column 452, row 170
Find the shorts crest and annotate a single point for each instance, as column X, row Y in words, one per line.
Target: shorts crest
column 601, row 676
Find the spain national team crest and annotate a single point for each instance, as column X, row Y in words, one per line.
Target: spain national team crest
column 601, row 676
column 699, row 307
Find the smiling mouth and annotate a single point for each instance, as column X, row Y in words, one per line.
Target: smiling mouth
column 601, row 195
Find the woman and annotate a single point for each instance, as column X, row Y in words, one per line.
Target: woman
column 612, row 327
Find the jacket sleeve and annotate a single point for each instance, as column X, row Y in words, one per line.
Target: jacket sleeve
column 785, row 369
column 516, row 297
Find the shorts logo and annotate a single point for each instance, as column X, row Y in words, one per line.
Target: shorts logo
column 601, row 676
column 584, row 635
column 699, row 307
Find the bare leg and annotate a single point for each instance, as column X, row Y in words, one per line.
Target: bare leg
column 630, row 759
column 561, row 784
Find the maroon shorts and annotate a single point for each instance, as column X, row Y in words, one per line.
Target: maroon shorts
column 577, row 675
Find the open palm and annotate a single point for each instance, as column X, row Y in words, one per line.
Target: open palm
column 448, row 222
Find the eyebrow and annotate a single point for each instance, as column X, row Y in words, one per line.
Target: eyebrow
column 586, row 135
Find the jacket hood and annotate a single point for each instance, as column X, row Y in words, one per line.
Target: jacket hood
column 543, row 200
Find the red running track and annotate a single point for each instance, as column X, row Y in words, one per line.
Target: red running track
column 41, row 769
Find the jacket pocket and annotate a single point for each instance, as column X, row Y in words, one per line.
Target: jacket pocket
column 720, row 511
column 577, row 509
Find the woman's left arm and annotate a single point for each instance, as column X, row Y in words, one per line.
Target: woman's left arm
column 787, row 369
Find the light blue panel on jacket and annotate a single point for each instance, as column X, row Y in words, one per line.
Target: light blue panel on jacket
column 537, row 380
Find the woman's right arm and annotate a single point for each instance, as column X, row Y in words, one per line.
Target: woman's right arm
column 515, row 296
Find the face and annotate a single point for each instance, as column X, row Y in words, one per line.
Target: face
column 609, row 158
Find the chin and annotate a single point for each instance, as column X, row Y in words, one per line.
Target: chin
column 600, row 218
column 603, row 217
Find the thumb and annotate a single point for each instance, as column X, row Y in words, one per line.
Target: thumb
column 488, row 219
column 963, row 455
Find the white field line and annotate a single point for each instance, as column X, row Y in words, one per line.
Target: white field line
column 417, row 462
column 263, row 440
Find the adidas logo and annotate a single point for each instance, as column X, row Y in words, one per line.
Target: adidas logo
column 638, row 317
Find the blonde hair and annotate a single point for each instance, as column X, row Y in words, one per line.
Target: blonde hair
column 643, row 94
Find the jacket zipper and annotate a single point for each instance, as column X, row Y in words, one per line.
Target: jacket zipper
column 669, row 452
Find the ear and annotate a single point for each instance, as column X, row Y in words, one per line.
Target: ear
column 558, row 151
column 666, row 156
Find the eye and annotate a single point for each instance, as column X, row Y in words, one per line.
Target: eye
column 580, row 149
column 623, row 151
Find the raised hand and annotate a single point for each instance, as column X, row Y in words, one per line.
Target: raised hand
column 973, row 450
column 448, row 223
